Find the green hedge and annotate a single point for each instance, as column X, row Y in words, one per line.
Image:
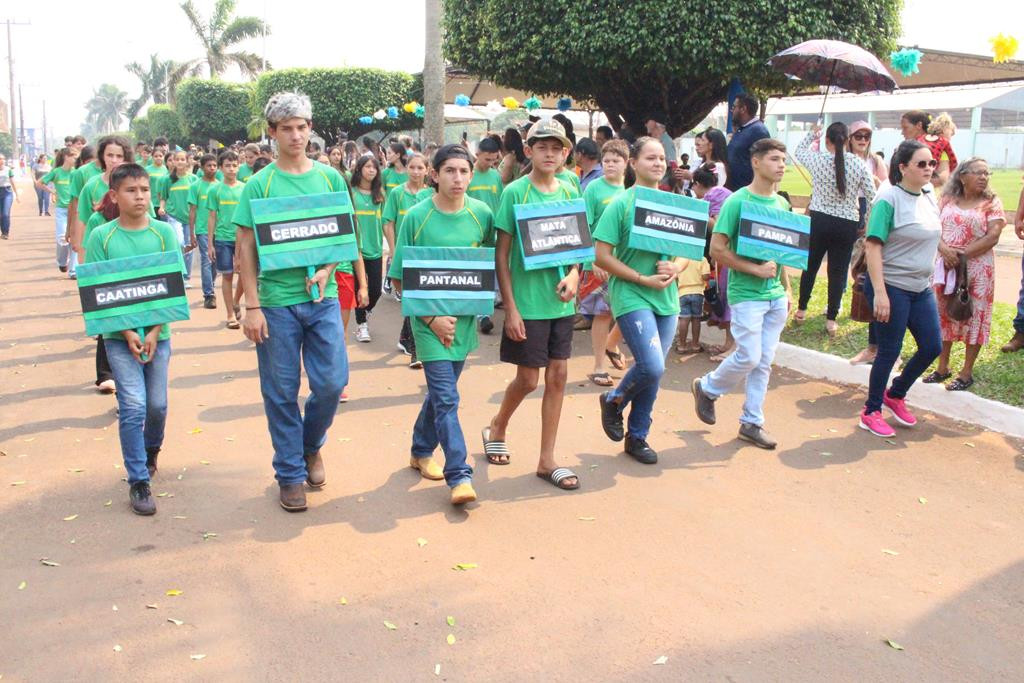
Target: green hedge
column 211, row 108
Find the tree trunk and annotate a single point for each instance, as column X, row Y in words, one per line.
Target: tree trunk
column 433, row 76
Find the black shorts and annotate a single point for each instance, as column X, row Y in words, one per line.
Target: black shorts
column 546, row 340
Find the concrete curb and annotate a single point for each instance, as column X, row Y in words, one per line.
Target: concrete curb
column 963, row 406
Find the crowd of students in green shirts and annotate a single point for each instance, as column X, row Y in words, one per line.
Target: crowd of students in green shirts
column 183, row 201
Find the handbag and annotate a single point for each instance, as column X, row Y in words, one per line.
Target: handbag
column 958, row 304
column 861, row 309
column 858, row 261
column 713, row 298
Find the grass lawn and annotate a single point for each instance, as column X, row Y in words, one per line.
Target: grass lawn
column 998, row 376
column 1005, row 182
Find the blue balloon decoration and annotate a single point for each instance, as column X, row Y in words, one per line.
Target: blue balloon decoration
column 564, row 103
column 462, row 100
column 392, row 112
column 366, row 120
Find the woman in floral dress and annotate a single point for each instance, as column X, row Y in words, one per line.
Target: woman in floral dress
column 972, row 218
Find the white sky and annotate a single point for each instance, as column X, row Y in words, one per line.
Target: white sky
column 53, row 60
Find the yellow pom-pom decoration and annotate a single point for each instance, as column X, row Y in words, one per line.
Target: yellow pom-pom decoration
column 1003, row 48
column 410, row 107
column 510, row 103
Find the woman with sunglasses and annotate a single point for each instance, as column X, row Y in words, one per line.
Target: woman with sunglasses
column 972, row 220
column 902, row 238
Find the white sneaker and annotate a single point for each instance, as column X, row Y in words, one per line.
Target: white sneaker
column 363, row 333
column 188, row 284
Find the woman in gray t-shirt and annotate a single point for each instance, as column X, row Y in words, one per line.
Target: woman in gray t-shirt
column 902, row 240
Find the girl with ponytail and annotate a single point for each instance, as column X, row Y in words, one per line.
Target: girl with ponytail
column 839, row 179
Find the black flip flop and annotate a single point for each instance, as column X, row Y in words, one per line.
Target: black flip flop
column 606, row 379
column 960, row 384
column 936, row 377
column 616, row 359
column 558, row 475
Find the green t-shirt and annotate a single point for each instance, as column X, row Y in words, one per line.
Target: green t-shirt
column 534, row 289
column 368, row 223
column 175, row 196
column 743, row 286
column 392, row 178
column 287, row 287
column 486, row 186
column 90, row 197
column 598, row 195
column 399, row 201
column 111, row 241
column 81, row 175
column 570, row 178
column 614, row 228
column 244, row 172
column 95, row 220
column 223, row 200
column 198, row 193
column 426, row 226
column 61, row 180
column 156, row 176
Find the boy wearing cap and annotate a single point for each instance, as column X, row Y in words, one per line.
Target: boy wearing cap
column 539, row 306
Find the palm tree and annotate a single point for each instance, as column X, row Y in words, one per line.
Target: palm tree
column 106, row 107
column 155, row 82
column 218, row 35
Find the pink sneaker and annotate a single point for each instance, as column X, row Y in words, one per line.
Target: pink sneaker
column 876, row 424
column 899, row 410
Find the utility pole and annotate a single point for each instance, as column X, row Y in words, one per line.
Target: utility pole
column 46, row 142
column 10, row 74
column 21, row 117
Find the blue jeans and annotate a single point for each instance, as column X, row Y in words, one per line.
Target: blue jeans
column 141, row 403
column 66, row 256
column 1018, row 322
column 181, row 230
column 649, row 337
column 756, row 327
column 206, row 273
column 6, row 201
column 914, row 311
column 438, row 421
column 310, row 332
column 43, row 197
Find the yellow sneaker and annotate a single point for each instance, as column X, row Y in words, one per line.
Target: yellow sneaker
column 427, row 467
column 463, row 493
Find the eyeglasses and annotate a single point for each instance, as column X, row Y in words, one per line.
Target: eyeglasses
column 980, row 174
column 862, row 136
column 931, row 163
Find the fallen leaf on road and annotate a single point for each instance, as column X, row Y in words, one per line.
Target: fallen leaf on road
column 118, row 648
column 661, row 660
column 922, row 500
column 342, row 601
column 21, row 586
column 196, row 658
column 450, row 639
column 76, row 470
column 463, row 566
column 968, row 444
column 174, row 592
column 195, row 430
column 208, row 535
column 889, row 552
column 70, row 518
column 833, row 430
column 389, row 626
column 890, row 442
column 108, row 503
column 344, row 439
column 815, row 436
column 894, row 645
column 18, row 483
column 164, row 494
column 176, row 622
column 204, row 462
column 179, row 517
column 115, row 608
column 451, row 621
column 421, row 542
column 437, row 669
column 587, row 519
column 826, row 454
column 48, row 563
column 152, row 605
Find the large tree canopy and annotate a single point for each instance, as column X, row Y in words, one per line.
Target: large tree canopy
column 215, row 109
column 631, row 58
column 341, row 96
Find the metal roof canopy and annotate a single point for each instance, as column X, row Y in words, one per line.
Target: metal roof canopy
column 1005, row 96
column 955, row 68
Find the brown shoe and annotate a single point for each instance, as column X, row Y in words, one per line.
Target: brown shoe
column 1016, row 343
column 316, row 477
column 293, row 497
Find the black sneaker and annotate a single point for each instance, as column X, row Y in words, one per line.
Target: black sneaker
column 640, row 451
column 210, row 301
column 756, row 435
column 414, row 362
column 611, row 418
column 142, row 499
column 486, row 324
column 702, row 403
column 151, row 456
column 62, row 269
